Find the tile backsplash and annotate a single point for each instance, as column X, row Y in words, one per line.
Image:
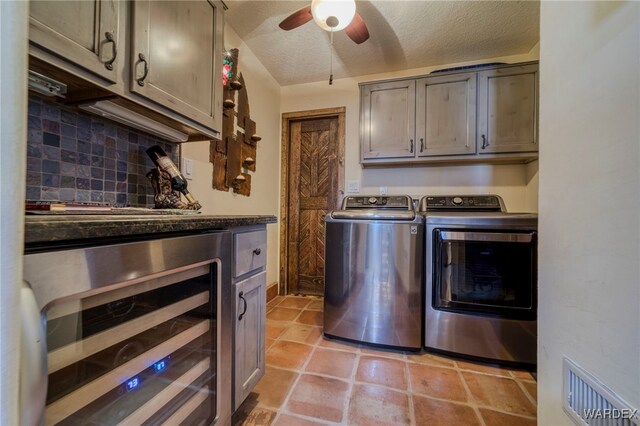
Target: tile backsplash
column 73, row 156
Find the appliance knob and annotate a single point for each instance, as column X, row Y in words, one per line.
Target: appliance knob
column 457, row 201
column 373, row 200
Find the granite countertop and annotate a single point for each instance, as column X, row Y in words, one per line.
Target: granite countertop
column 53, row 228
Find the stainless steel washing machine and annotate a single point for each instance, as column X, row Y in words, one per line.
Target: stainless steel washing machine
column 481, row 278
column 374, row 272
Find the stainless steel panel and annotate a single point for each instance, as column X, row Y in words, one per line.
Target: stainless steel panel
column 480, row 220
column 486, row 236
column 58, row 275
column 469, row 334
column 372, row 214
column 484, row 337
column 373, row 281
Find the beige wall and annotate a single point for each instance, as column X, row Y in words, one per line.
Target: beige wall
column 515, row 183
column 531, row 191
column 589, row 278
column 264, row 100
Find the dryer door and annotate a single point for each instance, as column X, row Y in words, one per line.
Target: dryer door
column 487, row 272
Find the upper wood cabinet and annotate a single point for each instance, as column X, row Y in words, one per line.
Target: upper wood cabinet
column 508, row 110
column 162, row 59
column 446, row 115
column 176, row 57
column 489, row 115
column 84, row 33
column 388, row 119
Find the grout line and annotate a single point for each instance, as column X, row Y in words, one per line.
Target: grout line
column 526, row 393
column 300, row 372
column 308, row 418
column 293, row 385
column 351, row 381
column 412, row 414
column 291, row 320
column 471, row 401
column 477, row 405
column 434, row 365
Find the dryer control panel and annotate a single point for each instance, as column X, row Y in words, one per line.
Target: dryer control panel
column 486, row 203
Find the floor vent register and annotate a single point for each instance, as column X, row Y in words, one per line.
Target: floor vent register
column 589, row 402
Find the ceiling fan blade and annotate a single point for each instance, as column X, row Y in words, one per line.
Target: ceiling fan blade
column 357, row 29
column 297, row 18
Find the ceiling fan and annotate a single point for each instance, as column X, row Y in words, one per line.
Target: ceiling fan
column 330, row 15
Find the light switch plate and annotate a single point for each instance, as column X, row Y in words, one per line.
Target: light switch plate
column 353, row 186
column 187, row 168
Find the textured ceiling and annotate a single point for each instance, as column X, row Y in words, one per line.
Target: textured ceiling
column 404, row 35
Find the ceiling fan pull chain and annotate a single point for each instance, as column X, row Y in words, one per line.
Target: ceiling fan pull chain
column 331, row 60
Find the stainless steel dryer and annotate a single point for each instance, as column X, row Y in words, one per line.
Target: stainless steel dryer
column 480, row 277
column 373, row 272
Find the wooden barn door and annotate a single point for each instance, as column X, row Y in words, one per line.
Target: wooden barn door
column 315, row 164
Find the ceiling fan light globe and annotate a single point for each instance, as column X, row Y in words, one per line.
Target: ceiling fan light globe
column 342, row 10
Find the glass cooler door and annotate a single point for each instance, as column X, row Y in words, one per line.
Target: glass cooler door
column 138, row 354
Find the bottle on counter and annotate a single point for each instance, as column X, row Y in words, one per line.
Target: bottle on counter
column 178, row 182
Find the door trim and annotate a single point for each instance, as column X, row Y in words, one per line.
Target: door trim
column 287, row 118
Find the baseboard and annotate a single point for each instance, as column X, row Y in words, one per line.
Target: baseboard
column 272, row 291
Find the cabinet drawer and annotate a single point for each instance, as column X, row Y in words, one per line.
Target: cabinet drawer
column 250, row 252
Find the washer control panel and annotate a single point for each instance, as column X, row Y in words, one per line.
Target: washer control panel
column 397, row 202
column 490, row 203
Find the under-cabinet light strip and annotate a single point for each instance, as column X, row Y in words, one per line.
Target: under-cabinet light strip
column 123, row 115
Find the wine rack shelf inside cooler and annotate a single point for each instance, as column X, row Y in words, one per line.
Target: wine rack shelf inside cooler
column 137, row 354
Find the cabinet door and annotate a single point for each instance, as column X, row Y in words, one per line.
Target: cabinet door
column 249, row 341
column 388, row 119
column 446, row 115
column 508, row 109
column 84, row 33
column 177, row 57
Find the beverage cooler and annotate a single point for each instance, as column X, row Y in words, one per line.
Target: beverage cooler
column 133, row 332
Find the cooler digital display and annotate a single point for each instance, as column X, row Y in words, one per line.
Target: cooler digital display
column 132, row 384
column 161, row 365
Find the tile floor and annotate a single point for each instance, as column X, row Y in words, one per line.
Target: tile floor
column 310, row 380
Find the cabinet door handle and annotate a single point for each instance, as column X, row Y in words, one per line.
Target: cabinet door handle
column 411, row 149
column 257, row 252
column 485, row 142
column 244, row 310
column 143, row 59
column 109, row 64
column 421, row 144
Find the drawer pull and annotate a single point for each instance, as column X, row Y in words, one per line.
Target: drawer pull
column 244, row 310
column 257, row 252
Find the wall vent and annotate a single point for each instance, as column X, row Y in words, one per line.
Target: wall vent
column 589, row 402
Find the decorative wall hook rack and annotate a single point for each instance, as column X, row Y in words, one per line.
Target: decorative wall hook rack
column 234, row 155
